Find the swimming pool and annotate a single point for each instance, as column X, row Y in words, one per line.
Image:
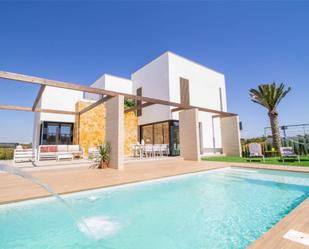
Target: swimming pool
column 219, row 209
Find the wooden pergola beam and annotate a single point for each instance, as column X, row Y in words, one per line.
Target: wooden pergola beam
column 29, row 109
column 224, row 115
column 178, row 109
column 139, row 107
column 99, row 102
column 38, row 97
column 77, row 87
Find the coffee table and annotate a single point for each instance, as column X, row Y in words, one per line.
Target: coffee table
column 64, row 156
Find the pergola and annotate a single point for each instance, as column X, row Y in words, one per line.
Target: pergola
column 114, row 102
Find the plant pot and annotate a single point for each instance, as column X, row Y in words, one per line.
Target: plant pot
column 103, row 165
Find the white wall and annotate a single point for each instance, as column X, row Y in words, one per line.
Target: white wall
column 59, row 99
column 153, row 78
column 99, row 83
column 204, row 84
column 118, row 84
column 112, row 83
column 161, row 79
column 55, row 99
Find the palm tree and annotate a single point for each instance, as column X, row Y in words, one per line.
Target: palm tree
column 269, row 96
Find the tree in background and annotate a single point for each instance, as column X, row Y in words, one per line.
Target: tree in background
column 269, row 96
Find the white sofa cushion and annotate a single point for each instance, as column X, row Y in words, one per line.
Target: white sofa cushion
column 74, row 148
column 62, row 148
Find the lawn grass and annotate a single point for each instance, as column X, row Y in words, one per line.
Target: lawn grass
column 304, row 160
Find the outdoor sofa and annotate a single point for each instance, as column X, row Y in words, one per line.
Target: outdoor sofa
column 57, row 152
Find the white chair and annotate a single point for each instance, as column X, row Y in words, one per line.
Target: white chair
column 93, row 153
column 165, row 149
column 157, row 150
column 255, row 151
column 148, row 150
column 136, row 149
column 133, row 149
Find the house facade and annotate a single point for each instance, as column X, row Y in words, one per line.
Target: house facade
column 169, row 77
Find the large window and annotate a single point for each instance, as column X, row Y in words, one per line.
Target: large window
column 161, row 133
column 56, row 133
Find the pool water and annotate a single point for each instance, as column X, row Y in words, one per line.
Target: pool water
column 220, row 209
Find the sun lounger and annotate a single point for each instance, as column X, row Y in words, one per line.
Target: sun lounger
column 288, row 153
column 255, row 151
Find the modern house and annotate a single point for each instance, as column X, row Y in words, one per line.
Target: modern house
column 169, row 77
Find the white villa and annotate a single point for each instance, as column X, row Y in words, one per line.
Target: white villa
column 169, row 77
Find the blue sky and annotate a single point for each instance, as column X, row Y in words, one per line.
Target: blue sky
column 250, row 42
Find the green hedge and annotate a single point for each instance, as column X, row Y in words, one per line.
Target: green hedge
column 6, row 153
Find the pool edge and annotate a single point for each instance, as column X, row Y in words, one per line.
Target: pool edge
column 297, row 219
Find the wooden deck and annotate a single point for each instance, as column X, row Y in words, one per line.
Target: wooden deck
column 13, row 188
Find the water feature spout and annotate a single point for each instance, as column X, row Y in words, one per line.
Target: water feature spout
column 16, row 171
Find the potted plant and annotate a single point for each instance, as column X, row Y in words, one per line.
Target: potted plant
column 104, row 155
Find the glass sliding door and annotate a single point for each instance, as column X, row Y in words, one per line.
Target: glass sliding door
column 157, row 133
column 147, row 134
column 162, row 133
column 174, row 140
column 56, row 133
column 166, row 133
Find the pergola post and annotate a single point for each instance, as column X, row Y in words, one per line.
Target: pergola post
column 230, row 135
column 115, row 130
column 189, row 135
